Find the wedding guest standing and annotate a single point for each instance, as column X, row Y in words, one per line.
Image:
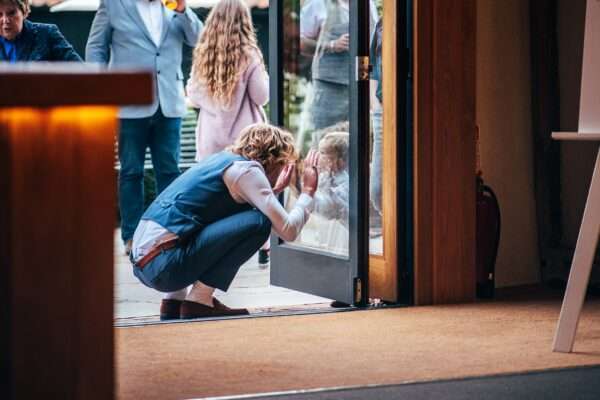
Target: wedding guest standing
column 23, row 40
column 229, row 83
column 145, row 34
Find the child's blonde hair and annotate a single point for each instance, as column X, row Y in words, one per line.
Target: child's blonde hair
column 224, row 49
column 335, row 144
column 267, row 144
column 342, row 126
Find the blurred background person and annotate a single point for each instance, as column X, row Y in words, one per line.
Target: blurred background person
column 377, row 121
column 145, row 34
column 325, row 35
column 23, row 40
column 228, row 84
column 325, row 32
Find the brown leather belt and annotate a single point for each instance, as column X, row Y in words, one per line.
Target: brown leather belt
column 156, row 250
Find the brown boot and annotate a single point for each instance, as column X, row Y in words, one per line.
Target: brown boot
column 170, row 309
column 190, row 309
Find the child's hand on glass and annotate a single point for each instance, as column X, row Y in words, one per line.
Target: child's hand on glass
column 310, row 178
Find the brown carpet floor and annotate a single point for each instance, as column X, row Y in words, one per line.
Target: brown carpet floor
column 216, row 358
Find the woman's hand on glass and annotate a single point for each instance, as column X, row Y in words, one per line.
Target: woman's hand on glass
column 284, row 178
column 310, row 178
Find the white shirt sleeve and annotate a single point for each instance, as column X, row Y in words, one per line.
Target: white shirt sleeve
column 312, row 16
column 247, row 182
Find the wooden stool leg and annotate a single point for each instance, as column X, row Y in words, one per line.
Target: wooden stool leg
column 580, row 267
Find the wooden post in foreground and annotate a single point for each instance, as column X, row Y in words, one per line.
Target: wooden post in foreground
column 57, row 212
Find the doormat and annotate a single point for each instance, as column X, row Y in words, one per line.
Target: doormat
column 381, row 346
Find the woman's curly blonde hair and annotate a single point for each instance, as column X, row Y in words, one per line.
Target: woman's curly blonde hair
column 225, row 49
column 266, row 144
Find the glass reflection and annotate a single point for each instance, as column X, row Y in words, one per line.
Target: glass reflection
column 330, row 20
column 376, row 170
column 316, row 106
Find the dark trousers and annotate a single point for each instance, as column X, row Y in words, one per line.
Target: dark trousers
column 162, row 135
column 213, row 256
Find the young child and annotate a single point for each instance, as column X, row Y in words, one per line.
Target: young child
column 332, row 196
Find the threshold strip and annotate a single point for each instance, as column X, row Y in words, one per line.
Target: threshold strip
column 272, row 312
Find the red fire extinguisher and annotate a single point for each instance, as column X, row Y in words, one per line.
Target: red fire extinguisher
column 488, row 234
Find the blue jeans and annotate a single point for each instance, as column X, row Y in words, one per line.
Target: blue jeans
column 212, row 256
column 376, row 159
column 162, row 135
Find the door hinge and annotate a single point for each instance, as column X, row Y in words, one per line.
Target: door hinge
column 357, row 291
column 363, row 68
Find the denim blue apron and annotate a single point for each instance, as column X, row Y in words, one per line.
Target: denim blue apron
column 331, row 71
column 329, row 66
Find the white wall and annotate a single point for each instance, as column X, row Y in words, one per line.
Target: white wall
column 505, row 122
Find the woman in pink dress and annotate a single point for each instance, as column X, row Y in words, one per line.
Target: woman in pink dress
column 229, row 83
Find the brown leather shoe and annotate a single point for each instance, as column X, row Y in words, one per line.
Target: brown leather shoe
column 170, row 309
column 190, row 309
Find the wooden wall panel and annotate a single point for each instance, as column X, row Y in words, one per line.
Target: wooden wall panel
column 445, row 151
column 6, row 295
column 59, row 187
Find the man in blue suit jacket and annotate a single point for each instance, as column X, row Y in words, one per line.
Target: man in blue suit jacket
column 144, row 33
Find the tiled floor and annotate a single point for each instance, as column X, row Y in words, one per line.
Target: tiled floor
column 250, row 289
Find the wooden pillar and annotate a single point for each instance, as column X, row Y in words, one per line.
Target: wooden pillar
column 57, row 207
column 444, row 150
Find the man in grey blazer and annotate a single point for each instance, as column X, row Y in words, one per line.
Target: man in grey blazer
column 144, row 33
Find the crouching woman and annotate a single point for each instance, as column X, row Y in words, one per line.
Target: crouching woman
column 215, row 216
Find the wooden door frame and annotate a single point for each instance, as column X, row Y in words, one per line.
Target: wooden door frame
column 444, row 151
column 383, row 269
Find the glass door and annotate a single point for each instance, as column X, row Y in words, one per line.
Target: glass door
column 319, row 68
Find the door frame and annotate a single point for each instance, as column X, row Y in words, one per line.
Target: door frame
column 439, row 260
column 390, row 274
